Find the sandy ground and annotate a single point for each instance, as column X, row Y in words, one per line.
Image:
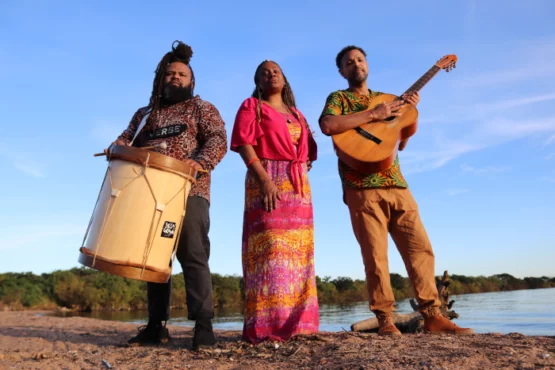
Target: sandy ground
column 31, row 340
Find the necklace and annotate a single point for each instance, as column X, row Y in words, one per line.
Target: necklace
column 284, row 115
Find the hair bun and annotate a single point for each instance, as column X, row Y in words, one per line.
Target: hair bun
column 182, row 51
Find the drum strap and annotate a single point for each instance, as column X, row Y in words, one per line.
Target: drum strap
column 141, row 125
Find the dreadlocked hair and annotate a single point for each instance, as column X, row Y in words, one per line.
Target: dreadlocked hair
column 180, row 53
column 286, row 95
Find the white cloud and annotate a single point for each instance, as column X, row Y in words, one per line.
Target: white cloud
column 30, row 169
column 482, row 135
column 549, row 179
column 327, row 178
column 106, row 132
column 484, row 170
column 455, row 191
column 505, row 77
column 421, row 161
column 23, row 238
column 433, row 120
column 463, row 114
column 484, row 112
column 515, row 103
column 469, row 17
column 549, row 140
column 509, row 129
column 21, row 161
column 501, row 65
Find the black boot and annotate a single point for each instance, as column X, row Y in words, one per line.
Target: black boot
column 204, row 335
column 152, row 333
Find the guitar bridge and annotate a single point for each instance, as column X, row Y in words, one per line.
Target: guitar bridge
column 368, row 135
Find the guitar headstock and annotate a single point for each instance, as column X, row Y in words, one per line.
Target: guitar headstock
column 448, row 62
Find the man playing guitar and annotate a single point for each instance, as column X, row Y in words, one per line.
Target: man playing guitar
column 381, row 202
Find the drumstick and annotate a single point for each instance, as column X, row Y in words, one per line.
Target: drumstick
column 99, row 154
column 162, row 145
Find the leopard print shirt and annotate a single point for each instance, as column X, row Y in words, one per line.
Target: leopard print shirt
column 192, row 129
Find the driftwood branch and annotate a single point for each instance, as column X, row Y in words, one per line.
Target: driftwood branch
column 412, row 322
column 406, row 323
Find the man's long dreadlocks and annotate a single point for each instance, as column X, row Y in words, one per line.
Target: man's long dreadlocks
column 180, row 53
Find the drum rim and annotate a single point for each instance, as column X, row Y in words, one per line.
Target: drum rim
column 155, row 160
column 123, row 269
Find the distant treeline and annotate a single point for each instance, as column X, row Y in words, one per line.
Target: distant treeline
column 87, row 290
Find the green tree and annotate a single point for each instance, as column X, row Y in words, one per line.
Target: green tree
column 343, row 284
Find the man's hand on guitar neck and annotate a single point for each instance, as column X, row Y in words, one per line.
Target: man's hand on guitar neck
column 386, row 110
column 412, row 97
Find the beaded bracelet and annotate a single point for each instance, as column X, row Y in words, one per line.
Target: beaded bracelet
column 252, row 161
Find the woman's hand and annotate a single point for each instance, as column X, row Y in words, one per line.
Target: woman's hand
column 268, row 190
column 270, row 194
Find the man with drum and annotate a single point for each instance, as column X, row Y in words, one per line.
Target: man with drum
column 189, row 129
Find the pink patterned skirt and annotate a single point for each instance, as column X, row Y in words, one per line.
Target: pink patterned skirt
column 278, row 260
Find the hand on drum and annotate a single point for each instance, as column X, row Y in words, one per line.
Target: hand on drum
column 107, row 150
column 117, row 142
column 120, row 142
column 270, row 195
column 194, row 164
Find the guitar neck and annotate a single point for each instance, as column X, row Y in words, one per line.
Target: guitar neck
column 422, row 81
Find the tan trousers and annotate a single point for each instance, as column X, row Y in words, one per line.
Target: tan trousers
column 374, row 213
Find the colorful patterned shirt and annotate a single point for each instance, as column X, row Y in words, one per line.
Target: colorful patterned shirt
column 192, row 129
column 343, row 102
column 294, row 127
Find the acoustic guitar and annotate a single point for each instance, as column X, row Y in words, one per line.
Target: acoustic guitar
column 372, row 147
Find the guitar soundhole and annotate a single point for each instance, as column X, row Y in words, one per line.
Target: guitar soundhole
column 390, row 118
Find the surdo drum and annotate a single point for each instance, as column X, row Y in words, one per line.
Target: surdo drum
column 136, row 223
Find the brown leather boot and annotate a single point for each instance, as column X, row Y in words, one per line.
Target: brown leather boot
column 386, row 325
column 435, row 322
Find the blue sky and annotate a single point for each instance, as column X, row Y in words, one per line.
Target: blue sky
column 481, row 166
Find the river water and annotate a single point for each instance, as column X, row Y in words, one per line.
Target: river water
column 530, row 312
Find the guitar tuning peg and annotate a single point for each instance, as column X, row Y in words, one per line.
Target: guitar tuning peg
column 454, row 65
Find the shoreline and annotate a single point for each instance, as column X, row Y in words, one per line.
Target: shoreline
column 52, row 307
column 31, row 339
column 88, row 290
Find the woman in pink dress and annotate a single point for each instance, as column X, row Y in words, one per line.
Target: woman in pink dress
column 274, row 140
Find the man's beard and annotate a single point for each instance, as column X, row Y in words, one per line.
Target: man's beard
column 174, row 94
column 357, row 78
